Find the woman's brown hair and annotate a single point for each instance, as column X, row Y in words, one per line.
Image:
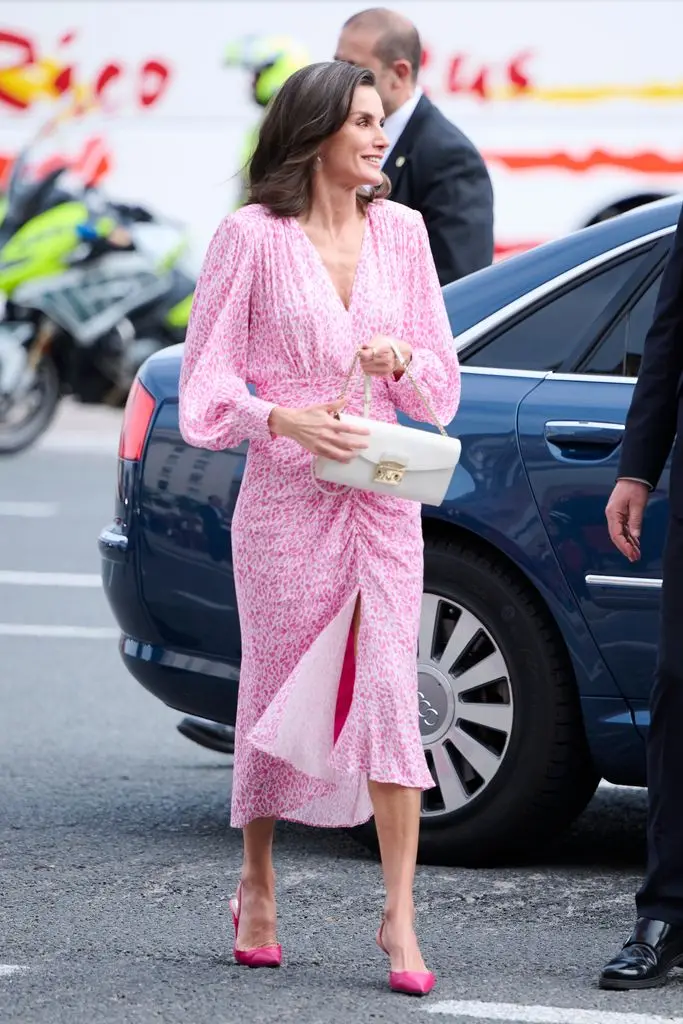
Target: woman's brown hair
column 312, row 105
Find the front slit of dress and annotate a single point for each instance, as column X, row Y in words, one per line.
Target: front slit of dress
column 346, row 685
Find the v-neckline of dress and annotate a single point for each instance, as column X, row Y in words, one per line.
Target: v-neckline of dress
column 325, row 272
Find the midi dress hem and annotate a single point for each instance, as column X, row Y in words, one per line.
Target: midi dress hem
column 312, row 752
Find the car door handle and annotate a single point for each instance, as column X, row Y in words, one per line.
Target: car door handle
column 584, row 436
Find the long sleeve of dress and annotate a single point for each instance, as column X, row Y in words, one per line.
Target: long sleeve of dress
column 434, row 364
column 216, row 408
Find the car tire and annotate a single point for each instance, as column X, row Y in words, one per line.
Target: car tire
column 544, row 776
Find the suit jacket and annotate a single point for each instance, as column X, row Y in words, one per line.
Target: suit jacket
column 436, row 170
column 656, row 413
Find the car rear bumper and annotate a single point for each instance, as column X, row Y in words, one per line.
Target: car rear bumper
column 119, row 580
column 184, row 680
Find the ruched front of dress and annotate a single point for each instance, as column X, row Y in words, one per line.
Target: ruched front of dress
column 266, row 314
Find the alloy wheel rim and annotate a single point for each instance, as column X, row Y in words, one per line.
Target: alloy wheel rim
column 465, row 703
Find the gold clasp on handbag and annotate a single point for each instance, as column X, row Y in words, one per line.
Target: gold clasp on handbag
column 389, row 473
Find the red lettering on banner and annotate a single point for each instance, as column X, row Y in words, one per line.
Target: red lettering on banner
column 480, row 84
column 27, row 77
column 465, row 75
column 23, row 59
column 154, row 78
column 28, row 55
column 516, row 73
column 108, row 74
column 64, row 79
column 454, row 77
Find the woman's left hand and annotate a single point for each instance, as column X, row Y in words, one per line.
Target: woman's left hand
column 378, row 360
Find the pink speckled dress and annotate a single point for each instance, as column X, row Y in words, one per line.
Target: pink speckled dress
column 267, row 313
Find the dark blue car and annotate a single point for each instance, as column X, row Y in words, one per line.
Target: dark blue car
column 537, row 642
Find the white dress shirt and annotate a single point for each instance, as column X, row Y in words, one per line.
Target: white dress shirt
column 396, row 122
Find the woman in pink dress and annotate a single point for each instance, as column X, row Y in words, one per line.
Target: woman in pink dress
column 318, row 266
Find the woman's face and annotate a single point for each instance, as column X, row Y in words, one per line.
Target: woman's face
column 352, row 156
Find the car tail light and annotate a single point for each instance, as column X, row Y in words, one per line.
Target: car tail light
column 136, row 420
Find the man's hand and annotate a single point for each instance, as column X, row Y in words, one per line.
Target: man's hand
column 624, row 513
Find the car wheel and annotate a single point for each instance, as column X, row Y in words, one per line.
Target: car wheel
column 499, row 714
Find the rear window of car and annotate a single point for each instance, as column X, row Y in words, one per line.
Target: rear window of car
column 485, row 292
column 545, row 336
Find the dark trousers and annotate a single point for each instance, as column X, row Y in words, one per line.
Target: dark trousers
column 661, row 896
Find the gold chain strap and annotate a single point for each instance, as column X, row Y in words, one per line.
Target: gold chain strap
column 406, row 369
column 349, row 375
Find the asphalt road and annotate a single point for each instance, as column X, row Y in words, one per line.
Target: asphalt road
column 117, row 861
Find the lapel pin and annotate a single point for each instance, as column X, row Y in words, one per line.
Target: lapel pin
column 400, row 160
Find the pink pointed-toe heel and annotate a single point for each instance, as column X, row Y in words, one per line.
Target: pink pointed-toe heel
column 262, row 956
column 410, row 983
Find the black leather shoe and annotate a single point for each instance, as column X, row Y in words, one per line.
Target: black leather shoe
column 653, row 948
column 209, row 734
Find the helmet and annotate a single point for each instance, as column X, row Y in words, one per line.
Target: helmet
column 271, row 60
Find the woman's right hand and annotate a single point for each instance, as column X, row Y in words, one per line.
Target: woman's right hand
column 318, row 431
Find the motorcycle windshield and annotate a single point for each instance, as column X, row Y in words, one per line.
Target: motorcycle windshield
column 40, row 167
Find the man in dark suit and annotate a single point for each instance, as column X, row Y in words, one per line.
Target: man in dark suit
column 433, row 167
column 654, row 420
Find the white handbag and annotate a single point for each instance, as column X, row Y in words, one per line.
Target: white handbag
column 404, row 462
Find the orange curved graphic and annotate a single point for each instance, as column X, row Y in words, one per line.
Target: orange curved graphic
column 645, row 162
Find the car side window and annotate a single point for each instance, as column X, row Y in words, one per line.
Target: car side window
column 548, row 335
column 619, row 354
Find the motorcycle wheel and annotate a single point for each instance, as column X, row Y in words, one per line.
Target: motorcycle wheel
column 21, row 424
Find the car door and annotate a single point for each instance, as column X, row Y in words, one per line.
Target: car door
column 570, row 430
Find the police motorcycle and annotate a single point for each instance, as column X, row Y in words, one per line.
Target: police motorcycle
column 90, row 289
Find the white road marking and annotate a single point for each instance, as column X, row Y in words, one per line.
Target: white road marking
column 511, row 1012
column 17, row 578
column 83, row 428
column 79, row 443
column 29, row 509
column 7, row 969
column 59, row 632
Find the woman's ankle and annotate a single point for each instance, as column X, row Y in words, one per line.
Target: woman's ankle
column 400, row 913
column 258, row 878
